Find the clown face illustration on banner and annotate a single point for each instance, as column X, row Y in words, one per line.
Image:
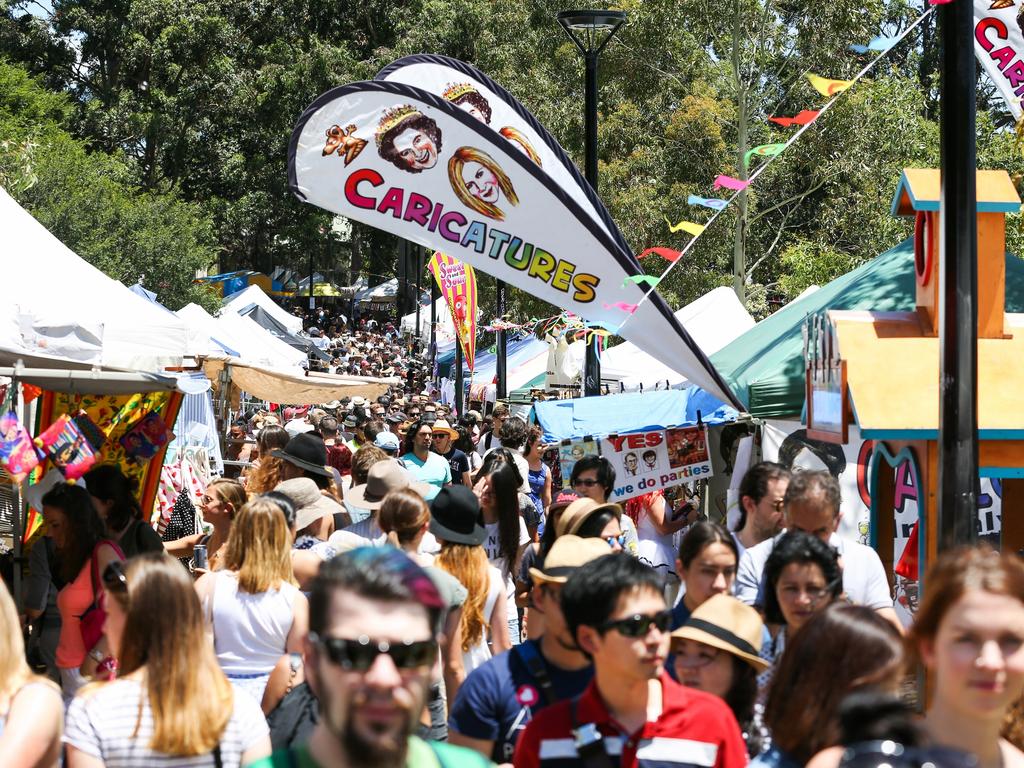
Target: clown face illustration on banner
column 472, row 91
column 408, row 139
column 447, row 181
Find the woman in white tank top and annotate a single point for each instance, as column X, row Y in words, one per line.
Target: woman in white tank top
column 255, row 610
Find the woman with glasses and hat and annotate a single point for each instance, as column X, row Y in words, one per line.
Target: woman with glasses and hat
column 83, row 552
column 171, row 703
column 718, row 651
column 455, row 523
column 594, row 477
column 306, row 456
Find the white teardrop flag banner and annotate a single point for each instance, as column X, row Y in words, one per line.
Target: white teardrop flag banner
column 471, row 90
column 397, row 158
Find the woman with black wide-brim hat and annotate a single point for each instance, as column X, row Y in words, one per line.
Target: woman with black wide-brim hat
column 456, row 524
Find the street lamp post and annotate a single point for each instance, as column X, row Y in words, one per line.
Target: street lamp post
column 591, row 31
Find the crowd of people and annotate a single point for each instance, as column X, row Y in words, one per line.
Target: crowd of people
column 384, row 584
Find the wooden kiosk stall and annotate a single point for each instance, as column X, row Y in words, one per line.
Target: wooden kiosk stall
column 881, row 370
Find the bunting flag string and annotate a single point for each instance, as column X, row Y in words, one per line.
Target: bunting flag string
column 685, row 226
column 765, row 150
column 666, row 253
column 803, row 117
column 875, row 44
column 626, row 307
column 728, row 182
column 833, row 88
column 708, row 202
column 650, row 280
column 827, row 87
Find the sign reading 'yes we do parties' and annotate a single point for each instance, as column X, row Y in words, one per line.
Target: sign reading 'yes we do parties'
column 415, row 164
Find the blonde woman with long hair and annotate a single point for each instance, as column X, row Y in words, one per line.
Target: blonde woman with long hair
column 479, row 181
column 30, row 706
column 221, row 500
column 254, row 607
column 171, row 704
column 455, row 516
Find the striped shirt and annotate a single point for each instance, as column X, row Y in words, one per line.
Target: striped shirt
column 694, row 730
column 101, row 722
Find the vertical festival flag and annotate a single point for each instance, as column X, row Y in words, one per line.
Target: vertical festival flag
column 457, row 282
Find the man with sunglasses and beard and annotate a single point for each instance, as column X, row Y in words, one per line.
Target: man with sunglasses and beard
column 374, row 619
column 633, row 713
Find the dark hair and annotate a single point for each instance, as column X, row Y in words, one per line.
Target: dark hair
column 804, row 486
column 108, row 483
column 798, row 547
column 417, row 123
column 496, row 457
column 500, row 410
column 831, row 454
column 841, row 649
column 873, row 715
column 410, row 433
column 513, row 433
column 700, row 535
column 755, row 485
column 478, row 101
column 590, row 595
column 464, row 442
column 371, row 429
column 645, row 454
column 375, row 573
column 594, row 525
column 533, row 436
column 742, row 695
column 84, row 527
column 272, row 436
column 285, row 503
column 605, row 472
column 505, row 489
column 328, row 426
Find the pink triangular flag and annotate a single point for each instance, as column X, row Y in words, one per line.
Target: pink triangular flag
column 728, row 182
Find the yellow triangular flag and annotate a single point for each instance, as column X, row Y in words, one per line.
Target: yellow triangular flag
column 827, row 87
column 686, row 226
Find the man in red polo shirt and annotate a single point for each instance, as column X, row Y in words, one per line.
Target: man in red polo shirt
column 633, row 712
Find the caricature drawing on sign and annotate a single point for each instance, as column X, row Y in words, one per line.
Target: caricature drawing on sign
column 521, row 142
column 344, row 141
column 408, row 139
column 650, row 460
column 468, row 99
column 479, row 182
column 631, row 462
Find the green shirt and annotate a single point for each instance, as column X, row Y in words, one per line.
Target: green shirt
column 436, row 754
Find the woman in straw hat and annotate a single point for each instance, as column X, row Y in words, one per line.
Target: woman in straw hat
column 717, row 651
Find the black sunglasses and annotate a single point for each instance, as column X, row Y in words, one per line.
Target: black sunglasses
column 360, row 654
column 113, row 577
column 639, row 625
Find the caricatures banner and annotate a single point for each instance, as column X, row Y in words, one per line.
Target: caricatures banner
column 406, row 161
column 471, row 90
column 457, row 282
column 653, row 461
column 999, row 46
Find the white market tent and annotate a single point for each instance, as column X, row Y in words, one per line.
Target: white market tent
column 254, row 344
column 253, row 294
column 445, row 326
column 713, row 320
column 62, row 306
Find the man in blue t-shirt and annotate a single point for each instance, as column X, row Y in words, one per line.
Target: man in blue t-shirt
column 499, row 698
column 425, row 465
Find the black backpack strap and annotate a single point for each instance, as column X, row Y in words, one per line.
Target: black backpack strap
column 218, row 759
column 529, row 655
column 589, row 742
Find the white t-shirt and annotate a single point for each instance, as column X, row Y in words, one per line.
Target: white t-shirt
column 492, row 544
column 102, row 721
column 864, row 579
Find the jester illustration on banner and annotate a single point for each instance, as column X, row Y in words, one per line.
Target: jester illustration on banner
column 457, row 282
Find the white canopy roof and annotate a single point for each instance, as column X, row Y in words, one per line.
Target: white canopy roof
column 60, row 305
column 713, row 320
column 254, row 344
column 253, row 294
column 445, row 326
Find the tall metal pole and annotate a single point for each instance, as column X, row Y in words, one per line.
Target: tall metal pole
column 592, row 364
column 458, row 379
column 501, row 386
column 311, row 303
column 434, row 296
column 419, row 276
column 958, row 283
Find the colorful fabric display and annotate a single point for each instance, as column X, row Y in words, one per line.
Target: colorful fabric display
column 146, row 437
column 17, row 452
column 64, row 443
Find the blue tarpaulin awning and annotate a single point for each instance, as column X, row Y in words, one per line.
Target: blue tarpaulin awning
column 629, row 412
